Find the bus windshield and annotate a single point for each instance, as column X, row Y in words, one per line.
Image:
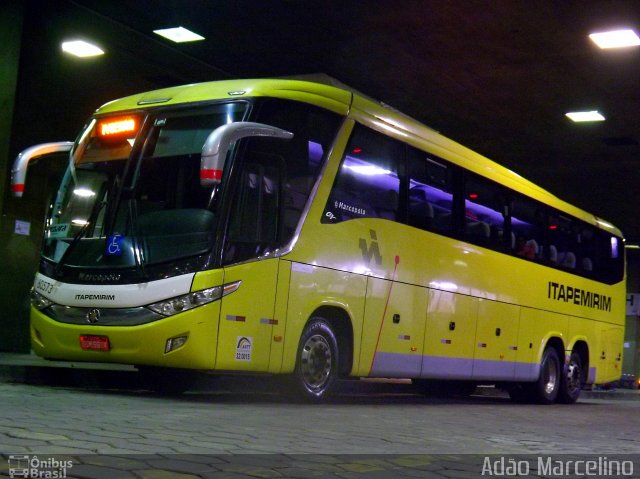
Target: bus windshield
column 132, row 194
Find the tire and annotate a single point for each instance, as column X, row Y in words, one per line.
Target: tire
column 545, row 390
column 317, row 363
column 572, row 380
column 167, row 381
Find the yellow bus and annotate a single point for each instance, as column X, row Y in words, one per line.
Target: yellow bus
column 296, row 227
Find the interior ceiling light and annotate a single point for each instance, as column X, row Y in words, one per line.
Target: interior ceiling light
column 582, row 116
column 616, row 39
column 179, row 35
column 81, row 49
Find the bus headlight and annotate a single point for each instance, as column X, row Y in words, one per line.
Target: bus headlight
column 38, row 301
column 192, row 300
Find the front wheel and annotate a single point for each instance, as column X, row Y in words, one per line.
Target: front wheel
column 317, row 361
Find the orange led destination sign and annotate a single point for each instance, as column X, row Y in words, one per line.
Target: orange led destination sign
column 114, row 127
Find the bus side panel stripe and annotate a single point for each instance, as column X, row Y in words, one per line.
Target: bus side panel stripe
column 395, row 365
column 442, row 367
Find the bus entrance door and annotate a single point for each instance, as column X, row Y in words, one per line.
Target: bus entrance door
column 247, row 317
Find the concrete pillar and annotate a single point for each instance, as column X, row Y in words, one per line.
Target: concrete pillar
column 11, row 20
column 13, row 316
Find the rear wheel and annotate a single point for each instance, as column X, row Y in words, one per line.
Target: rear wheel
column 317, row 361
column 547, row 388
column 548, row 385
column 572, row 380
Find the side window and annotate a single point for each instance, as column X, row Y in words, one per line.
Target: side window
column 609, row 262
column 528, row 223
column 253, row 227
column 275, row 177
column 485, row 208
column 367, row 184
column 430, row 192
column 584, row 249
column 611, row 269
column 563, row 241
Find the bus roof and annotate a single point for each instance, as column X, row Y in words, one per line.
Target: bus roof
column 326, row 92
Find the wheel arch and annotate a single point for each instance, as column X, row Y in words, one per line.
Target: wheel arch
column 556, row 343
column 581, row 347
column 342, row 325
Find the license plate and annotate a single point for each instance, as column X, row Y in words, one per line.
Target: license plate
column 91, row 342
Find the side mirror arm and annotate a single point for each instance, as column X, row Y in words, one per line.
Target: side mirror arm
column 19, row 170
column 219, row 141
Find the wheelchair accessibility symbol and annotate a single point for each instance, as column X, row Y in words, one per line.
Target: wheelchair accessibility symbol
column 114, row 245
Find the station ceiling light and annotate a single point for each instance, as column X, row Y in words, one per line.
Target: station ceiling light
column 584, row 116
column 616, row 39
column 82, row 49
column 179, row 34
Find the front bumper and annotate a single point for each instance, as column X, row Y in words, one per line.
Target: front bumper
column 142, row 344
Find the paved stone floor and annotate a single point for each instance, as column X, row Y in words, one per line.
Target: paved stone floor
column 107, row 428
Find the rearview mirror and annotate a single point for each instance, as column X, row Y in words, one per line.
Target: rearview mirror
column 219, row 141
column 19, row 170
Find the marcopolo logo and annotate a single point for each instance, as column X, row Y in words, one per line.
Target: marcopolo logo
column 40, row 468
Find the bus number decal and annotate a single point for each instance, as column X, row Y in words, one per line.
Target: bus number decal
column 243, row 348
column 44, row 286
column 58, row 231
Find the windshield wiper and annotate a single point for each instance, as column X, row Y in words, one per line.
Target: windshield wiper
column 137, row 252
column 96, row 211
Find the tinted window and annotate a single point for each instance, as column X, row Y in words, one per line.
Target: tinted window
column 368, row 184
column 528, row 223
column 383, row 178
column 430, row 192
column 485, row 207
column 274, row 178
column 563, row 241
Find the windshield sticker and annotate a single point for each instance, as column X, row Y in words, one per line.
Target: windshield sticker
column 114, row 245
column 59, row 231
column 244, row 346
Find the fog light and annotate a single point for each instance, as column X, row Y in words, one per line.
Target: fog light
column 175, row 343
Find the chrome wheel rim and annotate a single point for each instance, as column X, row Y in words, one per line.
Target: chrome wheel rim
column 573, row 377
column 315, row 362
column 550, row 377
